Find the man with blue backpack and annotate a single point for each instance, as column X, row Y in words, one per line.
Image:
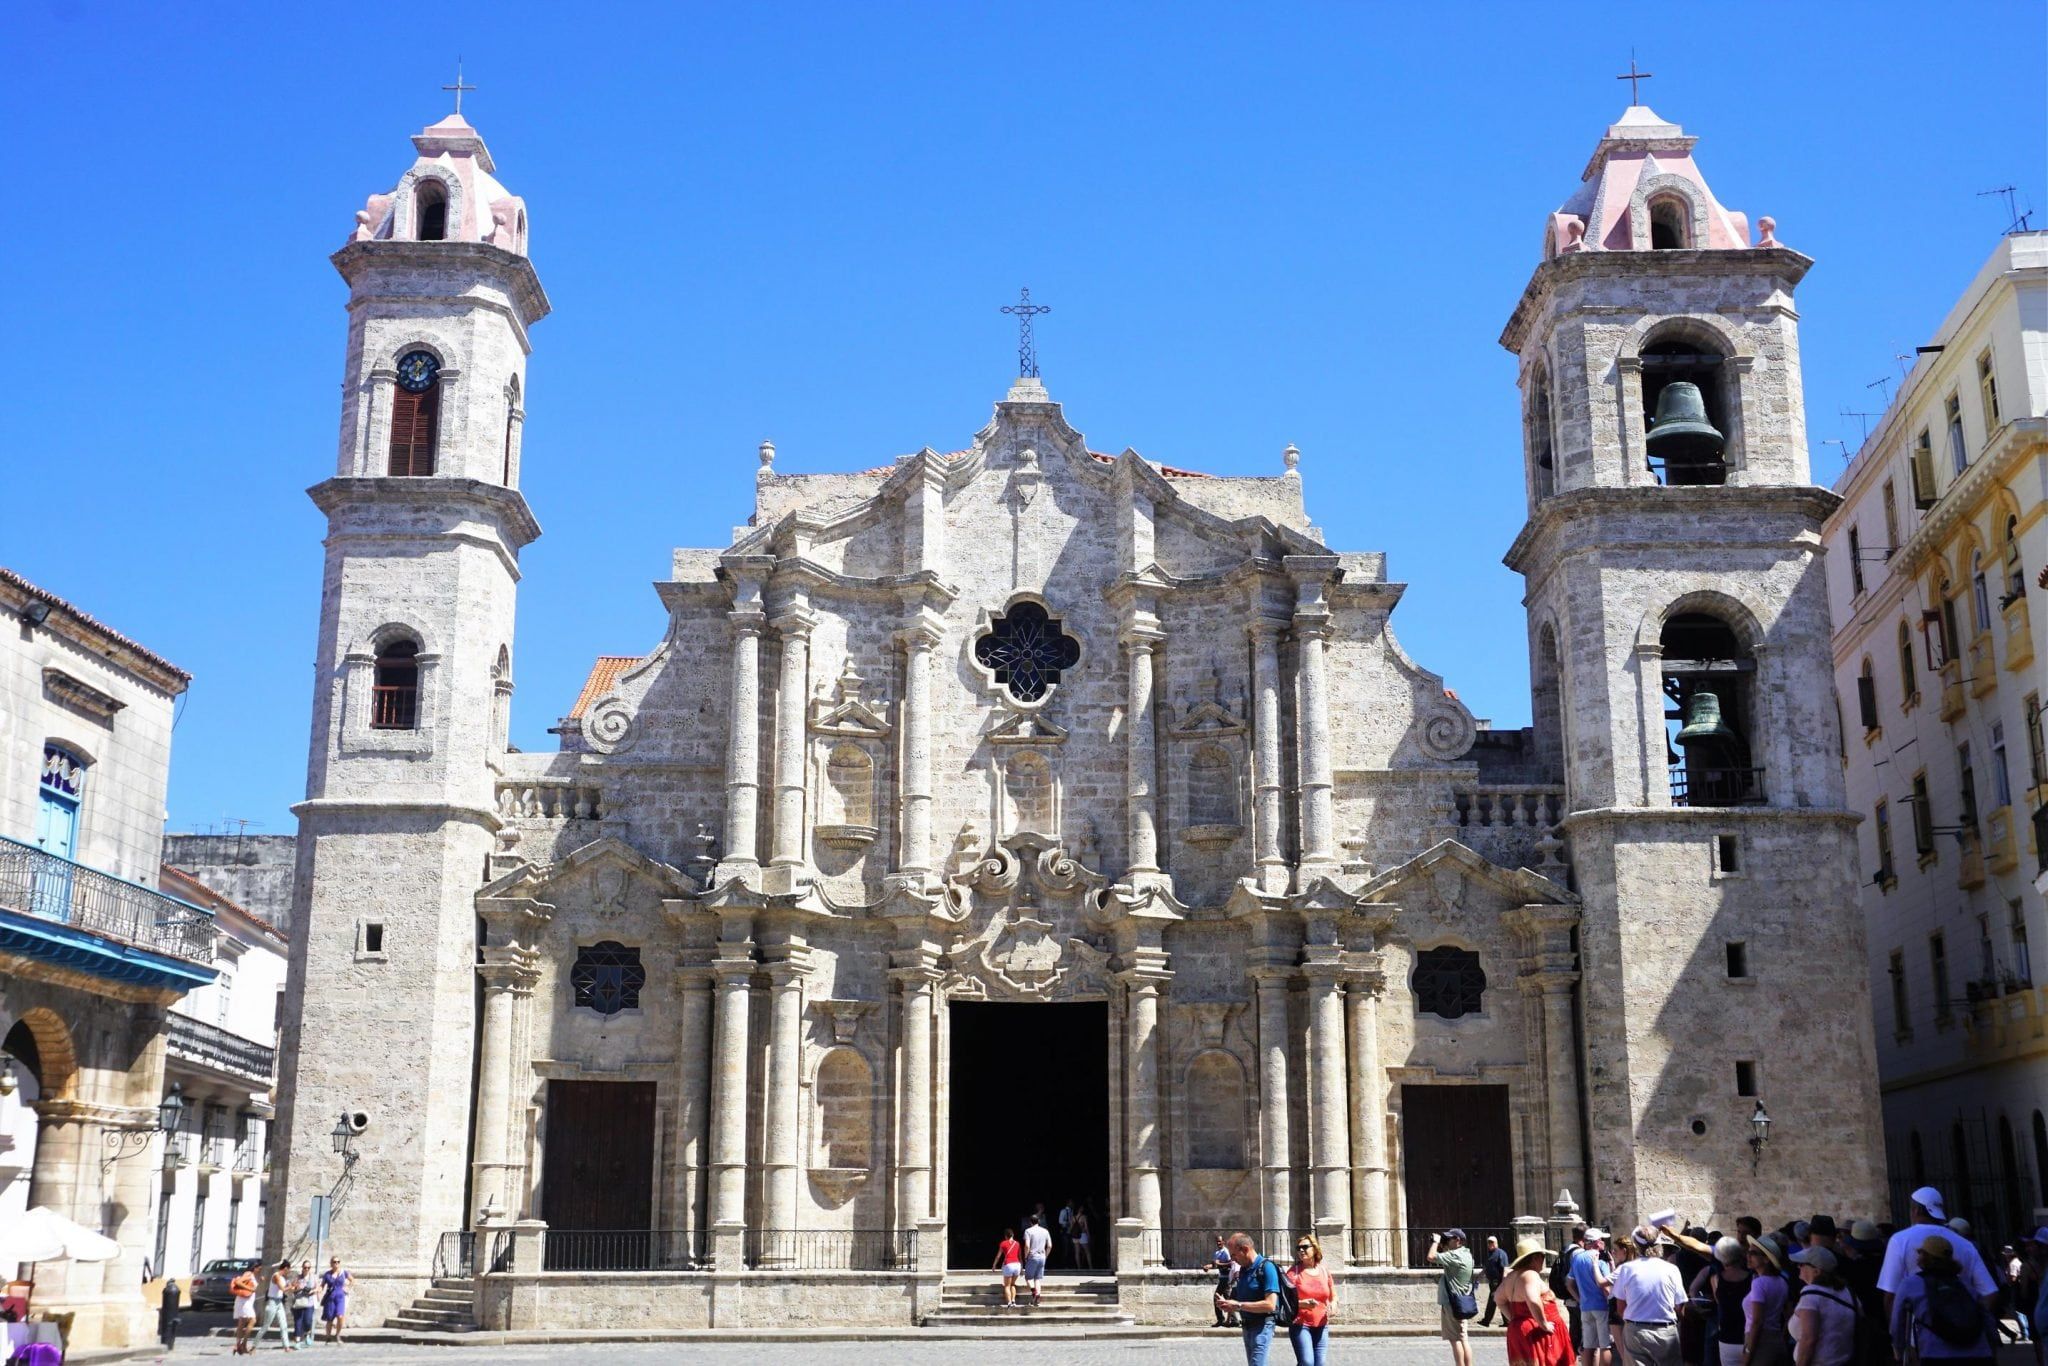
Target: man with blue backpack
column 1260, row 1299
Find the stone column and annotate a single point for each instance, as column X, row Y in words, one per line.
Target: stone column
column 1369, row 1126
column 1318, row 820
column 695, row 1065
column 734, row 971
column 792, row 699
column 1274, row 1048
column 785, row 1081
column 1142, row 1155
column 914, row 1106
column 1141, row 767
column 1328, row 1096
column 1272, row 857
column 919, row 643
column 375, row 456
column 743, row 744
column 1560, row 1078
column 70, row 1145
column 508, row 975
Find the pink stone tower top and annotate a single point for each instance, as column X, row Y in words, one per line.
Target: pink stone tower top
column 448, row 195
column 1642, row 191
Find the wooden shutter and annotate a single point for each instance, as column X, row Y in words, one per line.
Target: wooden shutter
column 1923, row 473
column 1866, row 700
column 415, row 425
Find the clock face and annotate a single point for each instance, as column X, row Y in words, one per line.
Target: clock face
column 416, row 371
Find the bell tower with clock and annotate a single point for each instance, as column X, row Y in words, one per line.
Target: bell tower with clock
column 425, row 525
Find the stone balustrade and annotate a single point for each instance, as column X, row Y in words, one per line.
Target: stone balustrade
column 554, row 799
column 1498, row 807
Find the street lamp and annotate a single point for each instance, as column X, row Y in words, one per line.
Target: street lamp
column 344, row 1133
column 125, row 1141
column 1759, row 1134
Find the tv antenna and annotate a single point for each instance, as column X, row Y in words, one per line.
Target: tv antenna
column 1883, row 385
column 1837, row 441
column 2014, row 219
column 1863, row 417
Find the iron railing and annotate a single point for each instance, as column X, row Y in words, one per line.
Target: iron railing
column 860, row 1249
column 1195, row 1248
column 625, row 1250
column 221, row 1048
column 1717, row 786
column 37, row 882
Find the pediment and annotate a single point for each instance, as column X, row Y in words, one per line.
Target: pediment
column 1442, row 875
column 611, row 874
column 1025, row 728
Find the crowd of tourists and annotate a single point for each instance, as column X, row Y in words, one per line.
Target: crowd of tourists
column 289, row 1297
column 1021, row 1259
column 1812, row 1292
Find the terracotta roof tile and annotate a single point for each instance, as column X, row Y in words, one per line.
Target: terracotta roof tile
column 90, row 623
column 603, row 674
column 175, row 881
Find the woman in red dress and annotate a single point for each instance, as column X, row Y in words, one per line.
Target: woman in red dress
column 1538, row 1334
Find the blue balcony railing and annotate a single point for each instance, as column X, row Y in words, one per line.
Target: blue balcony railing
column 39, row 883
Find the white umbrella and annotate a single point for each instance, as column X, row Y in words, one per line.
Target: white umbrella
column 43, row 1235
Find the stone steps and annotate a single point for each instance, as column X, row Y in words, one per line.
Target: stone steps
column 976, row 1301
column 446, row 1307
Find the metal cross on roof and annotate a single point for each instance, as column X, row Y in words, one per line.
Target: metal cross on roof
column 458, row 87
column 1635, row 79
column 1024, row 311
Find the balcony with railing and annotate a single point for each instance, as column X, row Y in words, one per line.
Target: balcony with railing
column 94, row 921
column 1700, row 786
column 220, row 1049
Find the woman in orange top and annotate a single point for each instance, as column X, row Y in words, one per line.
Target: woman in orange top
column 1315, row 1295
column 243, row 1288
column 1538, row 1334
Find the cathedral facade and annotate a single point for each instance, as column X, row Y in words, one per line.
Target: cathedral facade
column 1029, row 823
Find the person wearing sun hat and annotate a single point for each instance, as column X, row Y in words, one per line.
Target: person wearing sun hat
column 1926, row 1325
column 1930, row 1221
column 1763, row 1309
column 1538, row 1334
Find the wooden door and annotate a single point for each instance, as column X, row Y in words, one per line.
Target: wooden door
column 1457, row 1162
column 597, row 1176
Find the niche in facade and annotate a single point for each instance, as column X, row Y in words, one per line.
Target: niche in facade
column 1216, row 1127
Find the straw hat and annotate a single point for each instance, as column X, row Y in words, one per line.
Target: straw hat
column 1770, row 1251
column 1527, row 1248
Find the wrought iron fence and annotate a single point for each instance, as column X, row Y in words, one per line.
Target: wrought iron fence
column 1717, row 786
column 39, row 883
column 860, row 1249
column 1195, row 1248
column 455, row 1255
column 625, row 1250
column 221, row 1048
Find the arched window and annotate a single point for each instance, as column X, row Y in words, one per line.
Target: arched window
column 430, row 210
column 1670, row 223
column 1866, row 696
column 511, row 417
column 1547, row 705
column 1980, row 592
column 1212, row 788
column 1690, row 446
column 1709, row 713
column 1216, row 1128
column 415, row 414
column 395, row 695
column 1541, row 457
column 2015, row 573
column 1909, row 680
column 845, row 1100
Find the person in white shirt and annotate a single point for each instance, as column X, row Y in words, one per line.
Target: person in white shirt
column 1928, row 1220
column 1037, row 1245
column 1645, row 1299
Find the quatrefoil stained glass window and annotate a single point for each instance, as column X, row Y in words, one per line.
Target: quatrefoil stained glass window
column 1026, row 650
column 1448, row 982
column 607, row 977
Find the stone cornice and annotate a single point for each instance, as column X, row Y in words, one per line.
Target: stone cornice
column 521, row 280
column 2001, row 460
column 1707, row 815
column 314, row 807
column 1571, row 508
column 1782, row 262
column 506, row 506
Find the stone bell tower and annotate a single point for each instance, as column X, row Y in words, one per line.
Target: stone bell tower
column 1682, row 692
column 425, row 526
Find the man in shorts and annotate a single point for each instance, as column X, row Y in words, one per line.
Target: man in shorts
column 1458, row 1271
column 1592, row 1276
column 1037, row 1246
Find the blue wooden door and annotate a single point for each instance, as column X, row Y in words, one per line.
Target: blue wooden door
column 57, row 831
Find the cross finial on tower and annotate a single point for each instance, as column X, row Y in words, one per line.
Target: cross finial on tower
column 1635, row 79
column 1024, row 311
column 458, row 87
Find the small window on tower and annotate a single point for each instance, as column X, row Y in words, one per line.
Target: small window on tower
column 415, row 415
column 1684, row 419
column 395, row 696
column 430, row 203
column 1669, row 225
column 1738, row 960
column 1745, row 1079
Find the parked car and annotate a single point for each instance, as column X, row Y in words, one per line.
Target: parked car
column 209, row 1289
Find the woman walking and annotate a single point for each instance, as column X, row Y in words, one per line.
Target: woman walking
column 334, row 1288
column 1538, row 1333
column 305, row 1294
column 1083, row 1257
column 1315, row 1296
column 1010, row 1265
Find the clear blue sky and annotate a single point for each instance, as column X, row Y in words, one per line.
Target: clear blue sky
column 1255, row 225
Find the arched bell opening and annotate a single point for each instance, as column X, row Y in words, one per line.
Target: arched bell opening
column 1709, row 713
column 1685, row 413
column 1670, row 223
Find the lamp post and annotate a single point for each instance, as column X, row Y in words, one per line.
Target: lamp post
column 1759, row 1134
column 344, row 1134
column 125, row 1141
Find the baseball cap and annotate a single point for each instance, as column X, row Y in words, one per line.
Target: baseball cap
column 1599, row 1235
column 1929, row 1199
column 1819, row 1258
column 1457, row 1233
column 2041, row 1235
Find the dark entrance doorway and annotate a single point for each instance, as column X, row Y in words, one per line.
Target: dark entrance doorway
column 597, row 1175
column 1030, row 1123
column 1457, row 1159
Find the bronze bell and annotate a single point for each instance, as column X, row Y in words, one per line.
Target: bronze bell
column 1680, row 433
column 1703, row 724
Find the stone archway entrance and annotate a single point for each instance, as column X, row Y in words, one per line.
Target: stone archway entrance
column 1029, row 1122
